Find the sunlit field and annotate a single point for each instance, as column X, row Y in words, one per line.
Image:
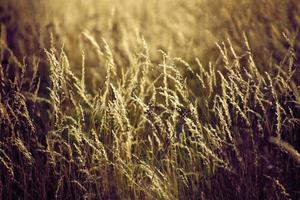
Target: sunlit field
column 150, row 99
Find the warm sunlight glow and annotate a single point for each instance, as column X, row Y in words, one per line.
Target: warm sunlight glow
column 149, row 99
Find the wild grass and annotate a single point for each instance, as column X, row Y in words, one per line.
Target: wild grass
column 114, row 118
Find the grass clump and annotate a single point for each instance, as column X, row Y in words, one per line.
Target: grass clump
column 111, row 121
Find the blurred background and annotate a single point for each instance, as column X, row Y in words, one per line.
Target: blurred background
column 185, row 29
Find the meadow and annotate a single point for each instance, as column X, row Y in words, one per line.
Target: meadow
column 157, row 99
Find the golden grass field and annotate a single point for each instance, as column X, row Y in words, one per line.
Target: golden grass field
column 156, row 99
